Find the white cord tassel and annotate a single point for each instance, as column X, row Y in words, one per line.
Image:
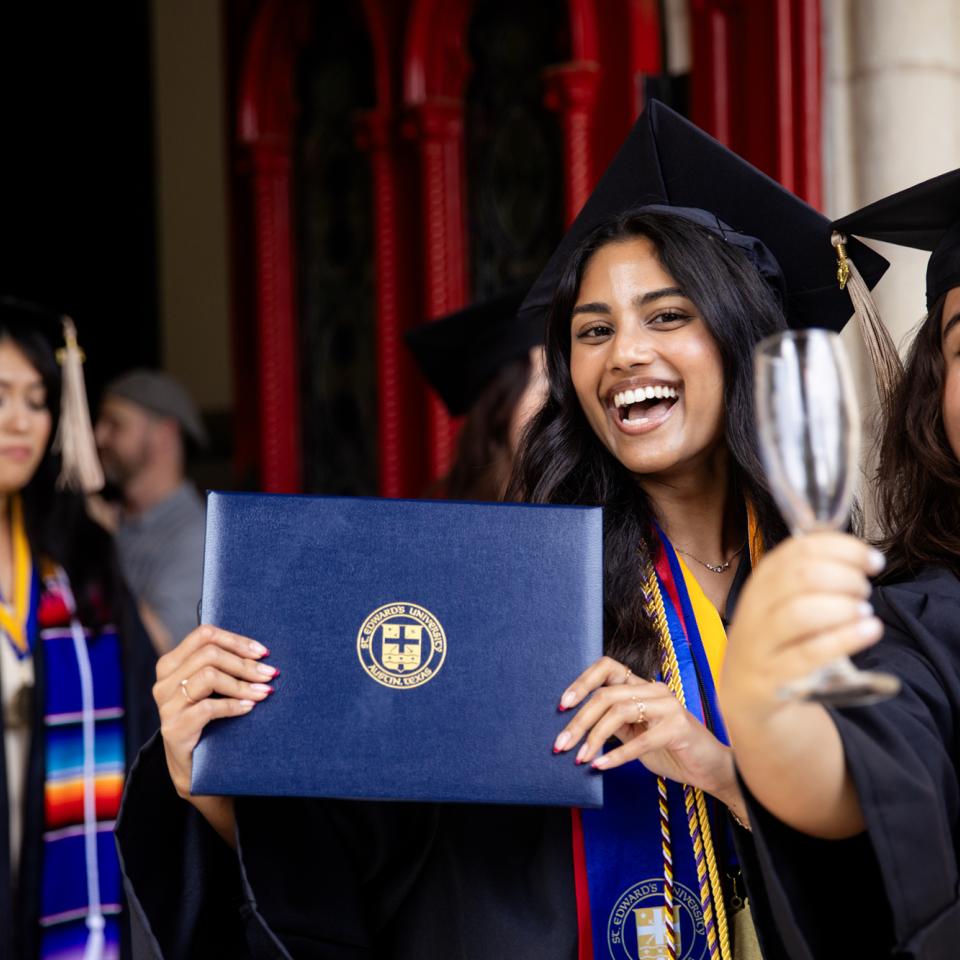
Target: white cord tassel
column 80, row 468
column 887, row 366
column 96, row 938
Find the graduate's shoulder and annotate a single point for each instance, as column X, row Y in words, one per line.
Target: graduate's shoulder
column 921, row 641
column 930, row 599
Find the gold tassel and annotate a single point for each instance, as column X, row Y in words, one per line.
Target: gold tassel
column 887, row 366
column 80, row 468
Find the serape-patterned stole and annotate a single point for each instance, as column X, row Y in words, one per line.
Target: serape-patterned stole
column 646, row 876
column 85, row 762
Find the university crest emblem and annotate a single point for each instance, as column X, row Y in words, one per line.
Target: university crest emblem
column 637, row 927
column 401, row 645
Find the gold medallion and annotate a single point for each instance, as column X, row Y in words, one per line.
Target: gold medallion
column 637, row 926
column 401, row 645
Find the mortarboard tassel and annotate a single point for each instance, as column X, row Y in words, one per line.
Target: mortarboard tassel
column 887, row 366
column 80, row 468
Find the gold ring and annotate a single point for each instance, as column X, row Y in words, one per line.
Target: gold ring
column 641, row 710
column 627, row 675
column 183, row 690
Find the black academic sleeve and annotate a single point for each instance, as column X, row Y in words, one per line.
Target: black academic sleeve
column 344, row 880
column 181, row 880
column 893, row 891
column 409, row 881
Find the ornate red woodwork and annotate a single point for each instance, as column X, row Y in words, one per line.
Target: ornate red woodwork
column 267, row 107
column 711, row 97
column 399, row 397
column 437, row 127
column 277, row 330
column 435, row 71
column 375, row 137
column 584, row 31
column 756, row 85
column 809, row 106
column 571, row 90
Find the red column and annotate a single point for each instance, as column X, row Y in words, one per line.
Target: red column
column 437, row 125
column 786, row 125
column 646, row 57
column 278, row 359
column 374, row 137
column 756, row 85
column 571, row 91
column 810, row 116
column 711, row 97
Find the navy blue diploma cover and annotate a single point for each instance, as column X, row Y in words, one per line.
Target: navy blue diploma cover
column 423, row 647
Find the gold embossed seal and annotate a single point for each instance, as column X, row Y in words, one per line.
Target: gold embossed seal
column 401, row 645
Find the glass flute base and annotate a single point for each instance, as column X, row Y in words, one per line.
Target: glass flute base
column 841, row 684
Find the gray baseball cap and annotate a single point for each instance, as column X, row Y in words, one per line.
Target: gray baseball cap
column 161, row 394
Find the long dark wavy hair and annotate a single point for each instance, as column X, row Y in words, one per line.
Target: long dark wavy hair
column 561, row 460
column 482, row 465
column 918, row 476
column 58, row 527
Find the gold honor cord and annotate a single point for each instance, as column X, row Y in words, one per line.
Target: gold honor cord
column 13, row 617
column 711, row 893
column 666, row 847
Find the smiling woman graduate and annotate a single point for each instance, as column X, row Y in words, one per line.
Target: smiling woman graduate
column 870, row 796
column 75, row 662
column 683, row 258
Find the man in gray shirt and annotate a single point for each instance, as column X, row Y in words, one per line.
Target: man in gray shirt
column 146, row 419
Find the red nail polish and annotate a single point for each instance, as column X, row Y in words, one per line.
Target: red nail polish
column 555, row 750
column 562, row 708
column 276, row 671
column 578, row 761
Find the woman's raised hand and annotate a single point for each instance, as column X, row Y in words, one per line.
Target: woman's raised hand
column 805, row 605
column 209, row 661
column 652, row 726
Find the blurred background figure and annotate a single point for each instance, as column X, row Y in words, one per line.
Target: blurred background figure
column 146, row 426
column 488, row 366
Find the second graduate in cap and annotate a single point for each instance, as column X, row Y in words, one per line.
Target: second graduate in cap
column 859, row 807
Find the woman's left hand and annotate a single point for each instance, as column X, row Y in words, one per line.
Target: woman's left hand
column 652, row 726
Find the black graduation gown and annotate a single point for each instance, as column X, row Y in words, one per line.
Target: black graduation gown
column 18, row 920
column 893, row 891
column 350, row 879
column 345, row 879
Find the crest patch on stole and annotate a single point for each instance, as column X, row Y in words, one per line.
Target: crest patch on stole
column 401, row 645
column 636, row 929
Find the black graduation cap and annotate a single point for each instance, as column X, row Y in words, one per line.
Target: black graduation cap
column 460, row 353
column 925, row 216
column 668, row 162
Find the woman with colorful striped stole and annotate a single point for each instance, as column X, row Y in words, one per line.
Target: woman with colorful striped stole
column 75, row 664
column 681, row 261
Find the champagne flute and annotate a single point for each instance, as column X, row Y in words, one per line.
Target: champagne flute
column 809, row 424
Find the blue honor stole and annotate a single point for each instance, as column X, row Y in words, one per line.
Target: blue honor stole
column 650, row 828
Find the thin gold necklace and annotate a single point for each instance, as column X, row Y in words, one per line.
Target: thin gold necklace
column 714, row 567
